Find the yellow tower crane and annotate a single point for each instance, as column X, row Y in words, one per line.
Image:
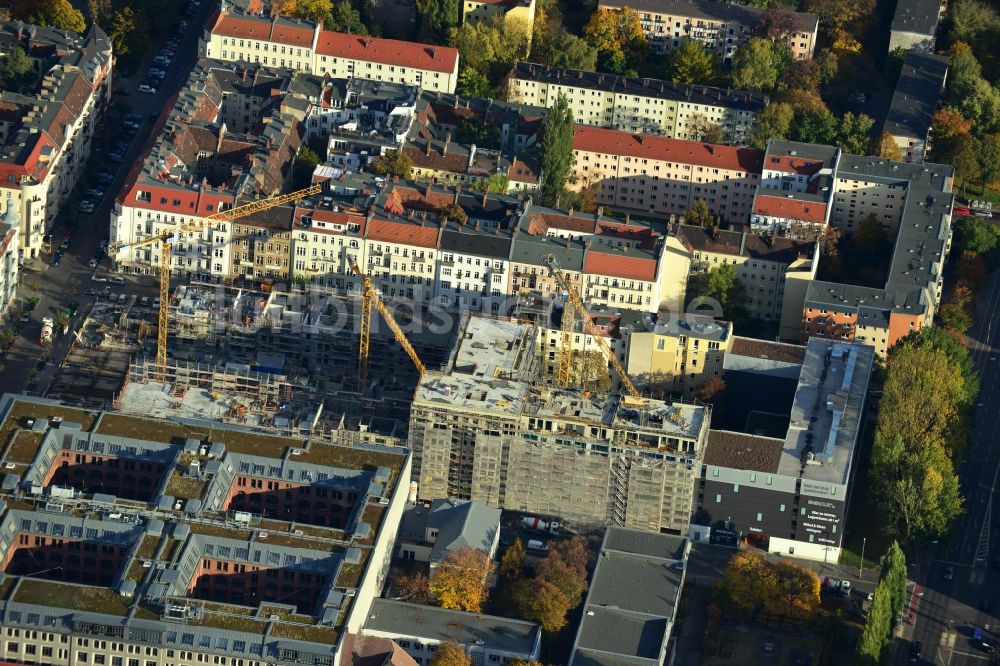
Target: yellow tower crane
column 564, row 373
column 371, row 297
column 167, row 237
column 589, row 327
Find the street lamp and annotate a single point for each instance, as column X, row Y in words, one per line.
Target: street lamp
column 861, row 568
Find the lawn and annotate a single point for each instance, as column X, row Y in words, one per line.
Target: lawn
column 184, row 487
column 767, row 424
column 77, row 597
column 20, row 411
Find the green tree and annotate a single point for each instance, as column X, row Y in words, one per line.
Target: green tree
column 512, row 561
column 497, row 183
column 774, row 122
column 894, row 577
column 870, row 236
column 703, row 129
column 454, row 213
column 970, row 19
column 854, row 134
column 305, row 163
column 474, row 83
column 479, row 132
column 618, row 37
column 989, row 158
column 437, row 17
column 16, row 71
column 345, row 18
column 966, row 160
column 52, row 13
column 722, row 284
column 878, row 624
column 699, row 215
column 393, row 163
column 955, row 312
column 557, row 149
column 815, row 126
column 693, row 62
column 564, row 49
column 758, row 64
column 491, row 47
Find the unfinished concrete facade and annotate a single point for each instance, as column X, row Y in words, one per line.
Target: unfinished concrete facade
column 482, row 430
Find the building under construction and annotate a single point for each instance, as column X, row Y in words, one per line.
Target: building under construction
column 284, row 362
column 484, row 430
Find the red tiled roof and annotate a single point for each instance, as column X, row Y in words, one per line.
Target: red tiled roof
column 617, row 265
column 792, row 209
column 388, row 51
column 586, row 225
column 615, row 142
column 793, row 164
column 403, row 233
column 277, row 30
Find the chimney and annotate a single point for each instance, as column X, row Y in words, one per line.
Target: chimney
column 222, row 135
column 447, row 140
column 569, row 241
column 458, row 191
column 600, row 212
column 472, row 157
column 427, row 150
column 570, row 212
column 485, row 195
column 628, row 218
column 513, row 164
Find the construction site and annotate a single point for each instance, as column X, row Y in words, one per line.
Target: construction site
column 284, row 361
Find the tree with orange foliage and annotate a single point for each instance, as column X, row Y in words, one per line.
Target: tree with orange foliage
column 749, row 580
column 618, row 37
column 711, row 390
column 971, row 270
column 796, row 591
column 885, row 146
column 542, row 602
column 414, row 589
column 460, row 580
column 450, row 653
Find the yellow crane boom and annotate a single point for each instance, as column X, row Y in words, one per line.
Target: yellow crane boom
column 589, row 327
column 371, row 297
column 167, row 237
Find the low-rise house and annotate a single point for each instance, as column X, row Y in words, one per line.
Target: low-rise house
column 429, row 532
column 420, row 630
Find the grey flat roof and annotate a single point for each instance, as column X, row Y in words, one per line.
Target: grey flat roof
column 916, row 97
column 826, row 411
column 918, row 16
column 633, row 598
column 643, row 87
column 431, row 623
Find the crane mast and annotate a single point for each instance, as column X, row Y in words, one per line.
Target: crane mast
column 168, row 237
column 371, row 297
column 588, row 326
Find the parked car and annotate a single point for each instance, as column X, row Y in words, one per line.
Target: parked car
column 146, row 89
column 915, row 649
column 86, row 207
column 92, row 263
column 949, row 572
column 961, row 211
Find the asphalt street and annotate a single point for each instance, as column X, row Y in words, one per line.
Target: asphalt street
column 27, row 367
column 946, row 613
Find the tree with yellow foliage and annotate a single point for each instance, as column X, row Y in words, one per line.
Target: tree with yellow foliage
column 460, row 580
column 796, row 592
column 450, row 653
column 617, row 36
column 885, row 146
column 749, row 579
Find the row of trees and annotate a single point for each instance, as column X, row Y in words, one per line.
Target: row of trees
column 460, row 582
column 886, row 606
column 558, row 586
column 339, row 15
column 923, row 418
column 756, row 585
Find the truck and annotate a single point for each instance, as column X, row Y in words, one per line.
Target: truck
column 538, row 525
column 46, row 335
column 835, row 585
column 537, row 546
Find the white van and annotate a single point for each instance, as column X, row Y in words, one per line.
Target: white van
column 536, row 545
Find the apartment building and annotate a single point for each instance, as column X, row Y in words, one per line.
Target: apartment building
column 644, row 106
column 796, row 189
column 92, row 578
column 775, row 270
column 788, row 494
column 262, row 244
column 914, row 203
column 236, row 34
column 46, row 129
column 9, row 256
column 661, row 176
column 361, row 119
column 325, row 242
column 521, row 11
column 723, row 27
column 914, row 102
column 914, row 25
column 482, row 430
column 675, row 353
column 199, row 167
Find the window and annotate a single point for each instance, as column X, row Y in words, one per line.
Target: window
column 718, row 499
column 760, row 516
